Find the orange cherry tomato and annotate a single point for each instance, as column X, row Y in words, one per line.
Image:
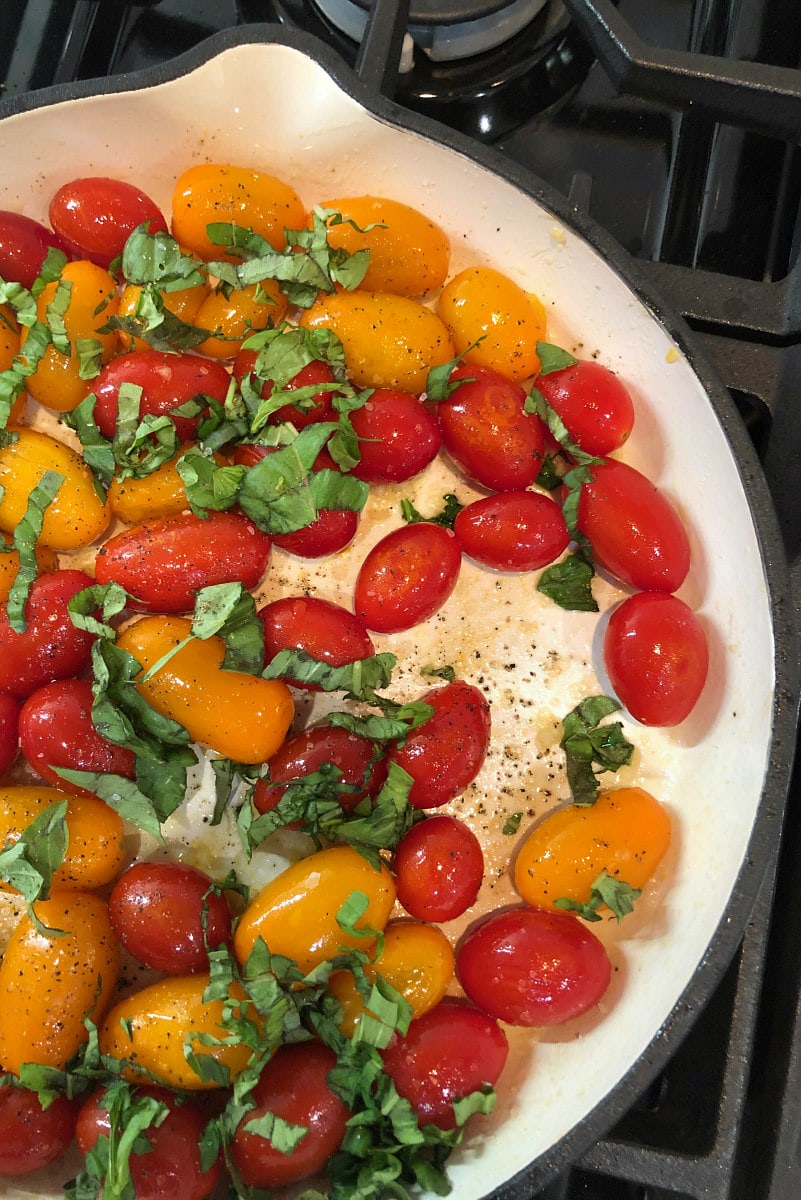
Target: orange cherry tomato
column 409, row 254
column 236, row 195
column 234, row 317
column 183, row 303
column 481, row 303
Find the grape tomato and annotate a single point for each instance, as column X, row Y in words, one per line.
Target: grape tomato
column 95, row 216
column 407, row 577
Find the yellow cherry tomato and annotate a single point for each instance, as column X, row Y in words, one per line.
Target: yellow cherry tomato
column 77, row 515
column 147, row 1031
column 46, row 560
column 214, row 192
column 409, row 254
column 95, row 852
column 295, row 914
column 49, row 983
column 389, row 341
column 183, row 303
column 625, row 834
column 160, row 494
column 417, row 960
column 482, row 303
column 56, row 382
column 243, row 717
column 235, row 317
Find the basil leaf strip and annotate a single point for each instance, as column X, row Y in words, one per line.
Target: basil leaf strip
column 586, row 742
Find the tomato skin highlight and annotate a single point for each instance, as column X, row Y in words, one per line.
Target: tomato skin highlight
column 31, row 1136
column 512, row 531
column 657, row 657
column 171, row 1168
column 158, row 910
column 446, row 752
column 56, row 730
column 167, row 381
column 321, row 628
column 96, row 215
column 51, row 647
column 294, row 1086
column 439, row 866
column 533, row 967
column 635, row 533
column 162, row 564
column 407, row 577
column 306, row 752
column 23, row 247
column 450, row 1051
column 594, row 403
column 398, row 437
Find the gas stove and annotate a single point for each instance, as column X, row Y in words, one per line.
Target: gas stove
column 674, row 124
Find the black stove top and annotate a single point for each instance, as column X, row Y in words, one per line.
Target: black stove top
column 694, row 166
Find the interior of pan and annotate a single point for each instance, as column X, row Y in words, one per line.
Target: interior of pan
column 273, row 106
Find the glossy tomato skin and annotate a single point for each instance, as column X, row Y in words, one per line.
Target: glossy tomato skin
column 51, row 647
column 293, row 1086
column 171, row 1168
column 23, row 247
column 316, row 372
column 635, row 533
column 162, row 564
column 56, row 730
column 96, row 215
column 512, row 531
column 657, row 657
column 594, row 403
column 446, row 752
column 319, row 627
column 533, row 967
column 9, row 731
column 450, row 1051
column 167, row 381
column 398, row 437
column 301, row 755
column 157, row 911
column 438, row 868
column 487, row 432
column 30, row 1136
column 407, row 577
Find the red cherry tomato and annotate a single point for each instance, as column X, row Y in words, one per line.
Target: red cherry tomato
column 450, row 1051
column 594, row 404
column 438, row 868
column 51, row 647
column 533, row 967
column 9, row 732
column 407, row 577
column 163, row 563
column 56, row 730
column 355, row 756
column 293, row 1086
column 322, row 629
column 23, row 248
column 446, row 752
column 398, row 437
column 487, row 432
column 95, row 216
column 158, row 909
column 635, row 533
column 332, row 531
column 171, row 1168
column 319, row 408
column 167, row 381
column 657, row 658
column 512, row 531
column 30, row 1136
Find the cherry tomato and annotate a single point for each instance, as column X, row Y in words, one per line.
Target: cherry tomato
column 398, row 437
column 56, row 730
column 254, row 200
column 657, row 658
column 321, row 628
column 446, row 752
column 450, row 1051
column 170, row 1169
column 95, row 216
column 318, row 408
column 50, row 647
column 9, row 731
column 301, row 755
column 635, row 533
column 594, row 403
column 234, row 315
column 332, row 530
column 293, row 1086
column 493, row 322
column 512, row 531
column 438, row 869
column 167, row 381
column 23, row 248
column 166, row 915
column 32, row 1136
column 487, row 432
column 407, row 577
column 533, row 967
column 162, row 564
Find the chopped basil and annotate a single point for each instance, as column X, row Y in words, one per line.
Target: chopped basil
column 553, row 358
column 359, row 678
column 26, row 535
column 446, row 517
column 439, row 385
column 158, row 259
column 29, row 863
column 616, row 894
column 447, row 673
column 512, row 824
column 106, row 1173
column 54, row 317
column 569, row 583
column 586, row 742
